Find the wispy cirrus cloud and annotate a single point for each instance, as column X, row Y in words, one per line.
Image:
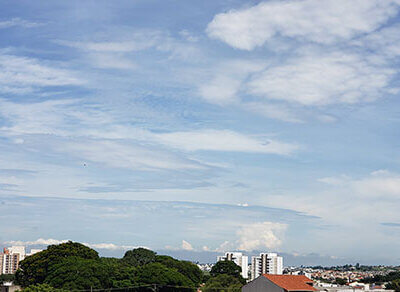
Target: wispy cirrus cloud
column 215, row 140
column 18, row 22
column 20, row 75
column 51, row 117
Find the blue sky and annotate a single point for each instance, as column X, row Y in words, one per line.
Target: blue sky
column 202, row 126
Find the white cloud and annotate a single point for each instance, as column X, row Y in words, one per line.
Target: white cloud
column 51, row 241
column 320, row 21
column 186, row 245
column 224, row 140
column 256, row 236
column 117, row 50
column 220, row 90
column 323, row 78
column 380, row 184
column 23, row 74
column 336, row 181
column 40, row 241
column 111, row 246
column 114, row 61
column 273, row 111
column 262, row 235
column 227, row 80
column 121, row 46
column 225, row 246
column 385, row 41
column 119, row 154
column 205, row 248
column 18, row 22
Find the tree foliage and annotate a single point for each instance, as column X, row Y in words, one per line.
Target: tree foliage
column 139, row 256
column 7, row 278
column 383, row 278
column 227, row 268
column 73, row 266
column 156, row 273
column 42, row 288
column 223, row 283
column 394, row 285
column 34, row 269
column 186, row 268
column 74, row 273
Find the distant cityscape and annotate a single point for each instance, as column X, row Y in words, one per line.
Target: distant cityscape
column 346, row 278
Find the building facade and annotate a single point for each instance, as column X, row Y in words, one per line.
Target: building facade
column 11, row 257
column 239, row 259
column 9, row 262
column 266, row 263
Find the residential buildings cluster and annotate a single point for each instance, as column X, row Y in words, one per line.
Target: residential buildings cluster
column 12, row 256
column 296, row 283
column 264, row 263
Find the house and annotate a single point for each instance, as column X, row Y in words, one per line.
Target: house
column 9, row 287
column 280, row 283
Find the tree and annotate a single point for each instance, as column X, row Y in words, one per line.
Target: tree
column 74, row 273
column 223, row 283
column 156, row 273
column 139, row 256
column 42, row 288
column 393, row 285
column 120, row 274
column 7, row 278
column 340, row 281
column 228, row 268
column 186, row 268
column 34, row 269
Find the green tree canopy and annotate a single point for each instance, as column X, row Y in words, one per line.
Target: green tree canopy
column 223, row 283
column 156, row 273
column 120, row 274
column 42, row 288
column 226, row 267
column 74, row 273
column 186, row 268
column 394, row 285
column 139, row 257
column 34, row 269
column 7, row 278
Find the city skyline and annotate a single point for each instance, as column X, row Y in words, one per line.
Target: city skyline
column 202, row 126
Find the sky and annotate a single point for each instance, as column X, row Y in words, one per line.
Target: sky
column 199, row 127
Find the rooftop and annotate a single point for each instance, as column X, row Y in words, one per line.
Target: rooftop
column 292, row 282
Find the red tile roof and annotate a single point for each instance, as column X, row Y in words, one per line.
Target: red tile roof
column 292, row 282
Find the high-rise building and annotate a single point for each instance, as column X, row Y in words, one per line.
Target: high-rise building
column 266, row 263
column 9, row 261
column 11, row 256
column 239, row 259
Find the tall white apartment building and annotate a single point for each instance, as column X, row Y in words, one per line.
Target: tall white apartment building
column 11, row 256
column 266, row 263
column 239, row 259
column 17, row 250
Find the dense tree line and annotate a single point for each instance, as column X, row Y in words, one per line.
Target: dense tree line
column 74, row 266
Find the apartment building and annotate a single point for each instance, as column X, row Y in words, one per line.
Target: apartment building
column 239, row 259
column 9, row 262
column 11, row 257
column 266, row 263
